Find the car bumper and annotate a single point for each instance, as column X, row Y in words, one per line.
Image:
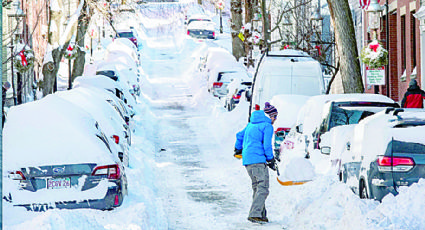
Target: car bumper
column 100, row 197
column 107, row 203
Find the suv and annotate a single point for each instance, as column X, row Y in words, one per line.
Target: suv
column 127, row 33
column 387, row 152
column 327, row 120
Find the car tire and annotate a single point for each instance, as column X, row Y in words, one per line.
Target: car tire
column 363, row 190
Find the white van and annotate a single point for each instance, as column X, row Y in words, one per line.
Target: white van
column 285, row 72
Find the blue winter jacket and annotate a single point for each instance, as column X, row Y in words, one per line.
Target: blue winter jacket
column 256, row 139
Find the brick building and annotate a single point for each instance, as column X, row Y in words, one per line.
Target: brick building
column 403, row 47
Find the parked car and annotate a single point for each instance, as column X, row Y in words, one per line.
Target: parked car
column 124, row 100
column 129, row 34
column 214, row 56
column 285, row 72
column 236, row 89
column 201, row 30
column 62, row 159
column 288, row 106
column 319, row 122
column 107, row 117
column 197, row 18
column 220, row 76
column 387, row 152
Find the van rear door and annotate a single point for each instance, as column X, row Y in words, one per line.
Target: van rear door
column 307, row 78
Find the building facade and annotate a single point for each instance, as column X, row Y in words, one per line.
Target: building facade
column 403, row 47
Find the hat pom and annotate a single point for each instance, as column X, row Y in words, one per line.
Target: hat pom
column 267, row 104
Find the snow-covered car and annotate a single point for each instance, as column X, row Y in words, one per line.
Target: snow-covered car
column 288, row 107
column 386, row 153
column 118, row 47
column 236, row 89
column 215, row 56
column 119, row 72
column 285, row 72
column 108, row 118
column 197, row 18
column 56, row 156
column 124, row 99
column 220, row 76
column 313, row 125
column 201, row 30
column 128, row 34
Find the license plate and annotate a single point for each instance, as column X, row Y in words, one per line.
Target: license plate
column 59, row 183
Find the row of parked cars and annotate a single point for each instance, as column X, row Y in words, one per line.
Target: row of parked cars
column 373, row 145
column 71, row 149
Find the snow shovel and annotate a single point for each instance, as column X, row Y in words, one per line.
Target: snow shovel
column 290, row 182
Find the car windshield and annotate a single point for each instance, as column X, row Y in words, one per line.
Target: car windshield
column 125, row 34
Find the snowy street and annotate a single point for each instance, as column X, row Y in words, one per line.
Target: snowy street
column 182, row 173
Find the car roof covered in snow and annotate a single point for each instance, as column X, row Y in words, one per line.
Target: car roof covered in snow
column 197, row 25
column 98, row 81
column 288, row 106
column 51, row 131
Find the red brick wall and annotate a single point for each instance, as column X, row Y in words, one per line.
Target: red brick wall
column 397, row 48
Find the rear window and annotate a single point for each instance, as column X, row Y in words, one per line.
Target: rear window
column 397, row 146
column 109, row 73
column 125, row 34
column 347, row 113
column 203, row 20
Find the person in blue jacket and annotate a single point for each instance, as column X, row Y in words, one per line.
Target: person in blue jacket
column 254, row 142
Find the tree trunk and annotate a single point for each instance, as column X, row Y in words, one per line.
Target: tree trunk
column 237, row 44
column 50, row 74
column 345, row 40
column 80, row 60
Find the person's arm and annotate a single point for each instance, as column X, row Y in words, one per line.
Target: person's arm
column 239, row 139
column 403, row 101
column 267, row 142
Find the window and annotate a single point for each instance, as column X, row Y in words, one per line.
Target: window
column 403, row 42
column 413, row 39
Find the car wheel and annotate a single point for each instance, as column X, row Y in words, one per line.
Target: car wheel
column 363, row 190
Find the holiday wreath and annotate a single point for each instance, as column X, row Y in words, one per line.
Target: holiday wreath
column 374, row 55
column 24, row 60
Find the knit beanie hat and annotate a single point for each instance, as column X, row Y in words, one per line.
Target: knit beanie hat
column 270, row 110
column 413, row 82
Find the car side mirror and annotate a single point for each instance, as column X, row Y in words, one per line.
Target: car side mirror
column 325, row 150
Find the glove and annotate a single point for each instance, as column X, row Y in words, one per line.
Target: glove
column 238, row 153
column 272, row 164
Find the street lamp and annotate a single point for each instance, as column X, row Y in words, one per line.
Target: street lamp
column 374, row 13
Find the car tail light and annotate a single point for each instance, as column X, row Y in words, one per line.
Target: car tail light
column 116, row 139
column 117, row 199
column 236, row 97
column 217, row 84
column 257, row 107
column 213, row 34
column 398, row 164
column 17, row 175
column 280, row 129
column 113, row 171
column 188, row 33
